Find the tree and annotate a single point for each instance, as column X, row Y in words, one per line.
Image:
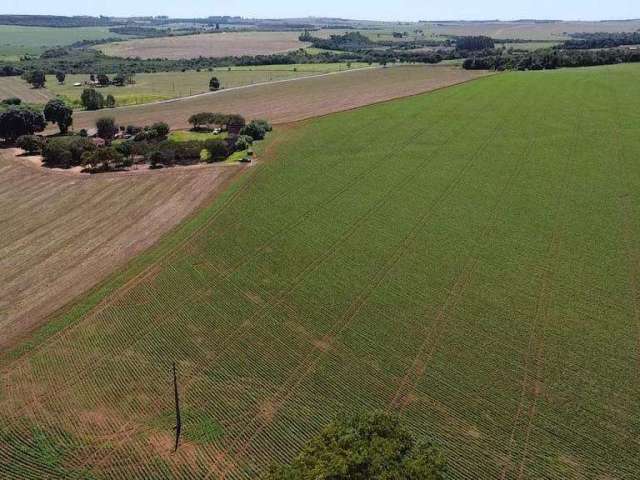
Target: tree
column 110, row 101
column 217, row 149
column 29, row 143
column 200, row 119
column 36, row 78
column 103, row 79
column 243, row 142
column 107, row 128
column 18, row 120
column 91, row 99
column 366, row 447
column 214, row 84
column 60, row 76
column 256, row 129
column 55, row 111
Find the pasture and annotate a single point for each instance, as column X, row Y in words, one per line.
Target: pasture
column 296, row 99
column 63, row 232
column 151, row 87
column 16, row 40
column 206, row 45
column 467, row 258
column 16, row 87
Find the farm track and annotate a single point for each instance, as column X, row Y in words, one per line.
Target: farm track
column 448, row 257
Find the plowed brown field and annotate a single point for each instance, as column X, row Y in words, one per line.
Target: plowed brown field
column 294, row 100
column 62, row 232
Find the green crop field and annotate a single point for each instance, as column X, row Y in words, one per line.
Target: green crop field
column 150, row 87
column 16, row 41
column 468, row 258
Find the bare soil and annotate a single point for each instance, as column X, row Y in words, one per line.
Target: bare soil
column 206, row 45
column 294, row 100
column 63, row 232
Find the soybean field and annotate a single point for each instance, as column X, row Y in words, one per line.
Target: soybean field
column 468, row 258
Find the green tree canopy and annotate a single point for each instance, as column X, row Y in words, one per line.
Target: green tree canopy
column 107, row 128
column 91, row 99
column 214, row 84
column 36, row 78
column 18, row 120
column 56, row 111
column 373, row 446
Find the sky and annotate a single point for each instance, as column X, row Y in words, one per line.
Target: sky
column 405, row 10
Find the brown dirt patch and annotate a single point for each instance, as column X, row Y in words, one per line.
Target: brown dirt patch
column 207, row 45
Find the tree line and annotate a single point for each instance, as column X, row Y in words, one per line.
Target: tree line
column 548, row 59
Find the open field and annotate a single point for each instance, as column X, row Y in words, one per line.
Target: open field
column 206, row 45
column 557, row 31
column 16, row 40
column 63, row 232
column 468, row 258
column 527, row 30
column 150, row 87
column 295, row 100
column 16, row 87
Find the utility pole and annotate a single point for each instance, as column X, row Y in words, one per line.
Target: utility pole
column 178, row 426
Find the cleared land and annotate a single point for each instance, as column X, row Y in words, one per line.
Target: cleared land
column 295, row 100
column 206, row 45
column 63, row 233
column 16, row 40
column 150, row 87
column 468, row 258
column 16, row 87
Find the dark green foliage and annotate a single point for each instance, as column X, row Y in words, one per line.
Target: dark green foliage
column 103, row 79
column 60, row 76
column 350, row 41
column 92, row 99
column 214, row 84
column 66, row 152
column 110, row 101
column 586, row 41
column 217, row 149
column 12, row 101
column 157, row 157
column 198, row 120
column 365, row 447
column 107, row 128
column 474, row 43
column 102, row 159
column 256, row 129
column 56, row 111
column 243, row 142
column 161, row 129
column 550, row 59
column 54, row 52
column 19, row 120
column 36, row 78
column 10, row 71
column 185, row 151
column 30, row 143
column 119, row 80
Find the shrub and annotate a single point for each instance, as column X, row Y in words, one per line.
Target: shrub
column 102, row 159
column 30, row 143
column 161, row 129
column 19, row 120
column 110, row 101
column 12, row 101
column 132, row 130
column 214, row 84
column 56, row 154
column 217, row 149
